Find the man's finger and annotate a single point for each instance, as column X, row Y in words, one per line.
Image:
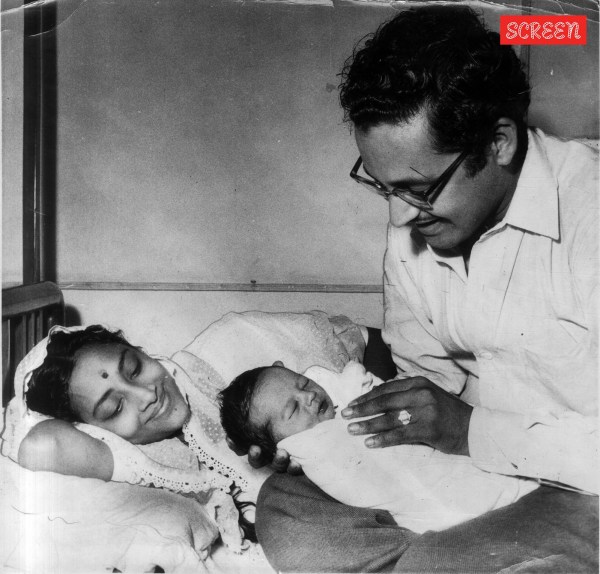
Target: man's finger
column 390, row 387
column 397, row 400
column 383, row 389
column 385, row 422
column 404, row 435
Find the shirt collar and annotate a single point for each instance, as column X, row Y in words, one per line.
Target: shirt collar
column 453, row 258
column 534, row 206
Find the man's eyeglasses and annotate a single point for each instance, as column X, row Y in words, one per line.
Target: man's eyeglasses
column 422, row 200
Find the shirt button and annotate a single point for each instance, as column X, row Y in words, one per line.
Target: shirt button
column 486, row 355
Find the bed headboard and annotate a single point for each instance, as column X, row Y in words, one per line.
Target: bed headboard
column 28, row 312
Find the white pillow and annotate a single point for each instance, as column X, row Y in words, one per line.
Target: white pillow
column 55, row 523
column 241, row 341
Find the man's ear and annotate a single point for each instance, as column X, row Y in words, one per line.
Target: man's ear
column 278, row 364
column 506, row 141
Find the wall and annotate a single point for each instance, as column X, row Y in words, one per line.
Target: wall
column 202, row 143
column 165, row 321
column 12, row 142
column 565, row 78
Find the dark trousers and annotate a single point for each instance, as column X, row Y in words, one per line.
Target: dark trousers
column 304, row 530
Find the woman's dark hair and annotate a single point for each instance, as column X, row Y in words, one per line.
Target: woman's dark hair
column 444, row 61
column 48, row 389
column 235, row 402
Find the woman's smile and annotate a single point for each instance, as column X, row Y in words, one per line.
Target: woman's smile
column 137, row 398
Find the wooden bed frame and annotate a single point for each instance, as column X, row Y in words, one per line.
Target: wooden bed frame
column 28, row 312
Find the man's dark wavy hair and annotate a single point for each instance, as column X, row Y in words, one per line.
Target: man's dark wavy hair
column 48, row 389
column 235, row 402
column 443, row 60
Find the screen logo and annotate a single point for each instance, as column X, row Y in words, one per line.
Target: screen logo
column 543, row 30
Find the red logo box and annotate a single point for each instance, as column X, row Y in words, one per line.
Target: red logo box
column 543, row 30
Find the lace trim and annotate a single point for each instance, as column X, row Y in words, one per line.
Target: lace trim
column 204, row 427
column 211, row 462
column 135, row 467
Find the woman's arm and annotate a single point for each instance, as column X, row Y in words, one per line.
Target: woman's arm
column 57, row 446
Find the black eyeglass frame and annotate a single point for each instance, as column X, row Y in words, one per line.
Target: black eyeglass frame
column 423, row 201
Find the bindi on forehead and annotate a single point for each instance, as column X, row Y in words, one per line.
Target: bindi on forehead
column 104, row 374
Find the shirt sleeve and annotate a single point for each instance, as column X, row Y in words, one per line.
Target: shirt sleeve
column 408, row 329
column 560, row 446
column 555, row 448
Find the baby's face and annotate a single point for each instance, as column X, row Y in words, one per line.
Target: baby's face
column 289, row 403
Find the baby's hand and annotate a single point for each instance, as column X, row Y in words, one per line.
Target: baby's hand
column 281, row 462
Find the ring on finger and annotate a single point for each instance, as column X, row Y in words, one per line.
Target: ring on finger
column 404, row 417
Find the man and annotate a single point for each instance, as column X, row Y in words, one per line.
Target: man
column 490, row 293
column 491, row 267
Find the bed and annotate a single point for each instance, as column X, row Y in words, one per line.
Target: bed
column 56, row 523
column 28, row 312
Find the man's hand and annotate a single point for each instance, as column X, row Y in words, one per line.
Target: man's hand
column 437, row 418
column 281, row 462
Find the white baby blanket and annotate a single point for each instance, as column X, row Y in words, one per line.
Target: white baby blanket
column 422, row 488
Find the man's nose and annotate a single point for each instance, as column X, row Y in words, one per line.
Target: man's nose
column 401, row 212
column 143, row 395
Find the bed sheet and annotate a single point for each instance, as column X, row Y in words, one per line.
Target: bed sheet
column 55, row 523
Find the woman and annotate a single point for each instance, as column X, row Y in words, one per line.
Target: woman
column 95, row 376
column 86, row 397
column 90, row 404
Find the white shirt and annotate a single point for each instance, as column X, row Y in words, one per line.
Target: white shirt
column 518, row 335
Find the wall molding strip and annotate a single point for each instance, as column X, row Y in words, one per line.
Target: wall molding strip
column 249, row 287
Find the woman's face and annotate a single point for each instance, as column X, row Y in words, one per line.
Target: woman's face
column 123, row 390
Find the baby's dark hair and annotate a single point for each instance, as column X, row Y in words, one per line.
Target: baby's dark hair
column 48, row 389
column 235, row 402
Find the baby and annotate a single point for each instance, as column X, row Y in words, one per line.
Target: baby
column 422, row 488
